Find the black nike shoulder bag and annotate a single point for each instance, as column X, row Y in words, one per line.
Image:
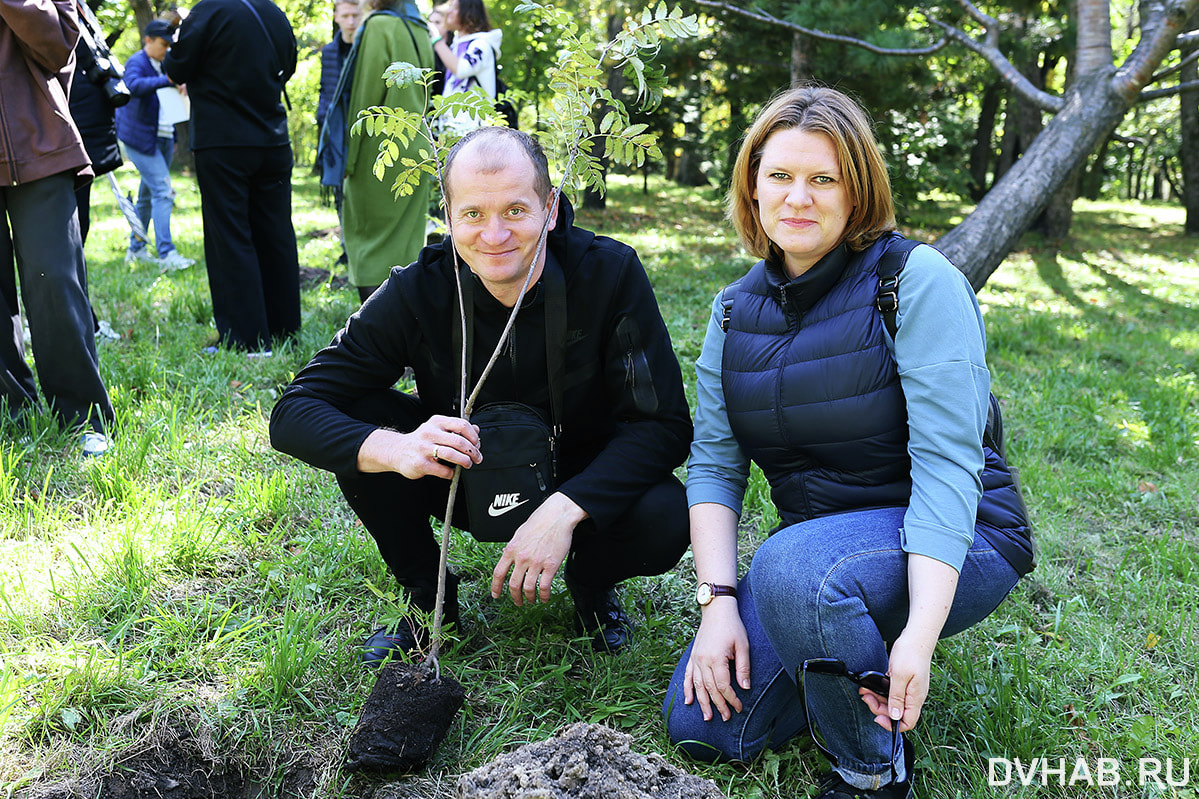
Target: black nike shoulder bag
column 519, row 446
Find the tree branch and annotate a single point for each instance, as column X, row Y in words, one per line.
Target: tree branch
column 1160, row 29
column 1188, row 40
column 762, row 16
column 1167, row 72
column 988, row 49
column 1169, row 91
column 989, row 23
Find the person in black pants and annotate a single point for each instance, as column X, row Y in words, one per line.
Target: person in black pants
column 42, row 161
column 235, row 57
column 617, row 510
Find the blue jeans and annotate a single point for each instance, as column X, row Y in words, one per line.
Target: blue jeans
column 834, row 587
column 155, row 199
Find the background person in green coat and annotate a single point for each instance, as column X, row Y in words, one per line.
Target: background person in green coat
column 379, row 230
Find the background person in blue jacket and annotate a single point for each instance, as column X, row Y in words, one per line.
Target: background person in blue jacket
column 873, row 448
column 150, row 145
column 345, row 17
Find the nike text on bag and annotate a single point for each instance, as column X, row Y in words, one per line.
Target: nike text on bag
column 517, row 473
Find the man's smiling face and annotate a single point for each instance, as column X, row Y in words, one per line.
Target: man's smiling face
column 496, row 217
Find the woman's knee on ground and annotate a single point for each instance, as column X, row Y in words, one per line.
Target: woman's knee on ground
column 712, row 741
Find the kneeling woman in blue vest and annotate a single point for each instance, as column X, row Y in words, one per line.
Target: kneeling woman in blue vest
column 873, row 447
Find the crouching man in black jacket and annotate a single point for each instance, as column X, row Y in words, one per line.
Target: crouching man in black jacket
column 618, row 512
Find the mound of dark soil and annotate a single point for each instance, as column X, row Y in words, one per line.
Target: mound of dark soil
column 313, row 276
column 585, row 761
column 404, row 720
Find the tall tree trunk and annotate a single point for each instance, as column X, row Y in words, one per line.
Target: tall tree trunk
column 143, row 12
column 1189, row 141
column 800, row 71
column 1093, row 49
column 1022, row 123
column 688, row 169
column 980, row 153
column 1092, row 53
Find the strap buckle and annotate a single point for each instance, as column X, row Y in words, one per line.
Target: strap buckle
column 887, row 299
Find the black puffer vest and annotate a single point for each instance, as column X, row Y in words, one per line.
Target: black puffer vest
column 813, row 397
column 812, row 391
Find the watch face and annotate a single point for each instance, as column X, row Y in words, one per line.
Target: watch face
column 703, row 595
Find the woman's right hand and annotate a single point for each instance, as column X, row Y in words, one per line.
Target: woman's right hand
column 721, row 638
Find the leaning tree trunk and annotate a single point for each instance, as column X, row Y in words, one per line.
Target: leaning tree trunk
column 1189, row 144
column 979, row 244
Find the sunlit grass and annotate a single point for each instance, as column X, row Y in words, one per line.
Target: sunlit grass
column 195, row 578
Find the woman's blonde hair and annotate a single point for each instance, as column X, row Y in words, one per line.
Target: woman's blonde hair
column 816, row 109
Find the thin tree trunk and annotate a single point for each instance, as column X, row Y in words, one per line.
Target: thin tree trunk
column 1023, row 123
column 1092, row 53
column 1189, row 141
column 800, row 71
column 593, row 199
column 1092, row 182
column 143, row 12
column 980, row 154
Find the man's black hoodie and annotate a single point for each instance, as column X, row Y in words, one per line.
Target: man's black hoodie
column 626, row 423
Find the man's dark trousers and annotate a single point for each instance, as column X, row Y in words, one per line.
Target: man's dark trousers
column 45, row 241
column 648, row 539
column 249, row 243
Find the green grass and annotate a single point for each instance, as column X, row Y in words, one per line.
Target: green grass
column 196, row 579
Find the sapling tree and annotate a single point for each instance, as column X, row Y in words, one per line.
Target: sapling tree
column 572, row 139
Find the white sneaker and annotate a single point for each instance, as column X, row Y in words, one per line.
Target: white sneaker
column 94, row 444
column 144, row 255
column 173, row 262
column 104, row 332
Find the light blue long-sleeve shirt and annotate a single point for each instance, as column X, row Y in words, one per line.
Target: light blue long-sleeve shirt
column 939, row 348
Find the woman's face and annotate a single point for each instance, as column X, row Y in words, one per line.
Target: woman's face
column 451, row 15
column 802, row 200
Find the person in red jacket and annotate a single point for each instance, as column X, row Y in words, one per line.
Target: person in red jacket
column 42, row 159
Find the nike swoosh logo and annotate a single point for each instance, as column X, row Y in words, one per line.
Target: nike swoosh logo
column 494, row 511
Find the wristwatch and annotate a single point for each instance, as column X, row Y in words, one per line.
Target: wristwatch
column 709, row 591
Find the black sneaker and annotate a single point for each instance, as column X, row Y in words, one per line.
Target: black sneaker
column 836, row 788
column 410, row 634
column 599, row 612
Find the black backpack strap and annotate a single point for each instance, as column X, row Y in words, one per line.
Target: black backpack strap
column 890, row 265
column 892, row 262
column 555, row 348
column 727, row 295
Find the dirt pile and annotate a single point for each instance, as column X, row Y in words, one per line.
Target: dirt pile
column 585, row 761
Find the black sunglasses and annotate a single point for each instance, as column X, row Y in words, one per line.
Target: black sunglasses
column 874, row 681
